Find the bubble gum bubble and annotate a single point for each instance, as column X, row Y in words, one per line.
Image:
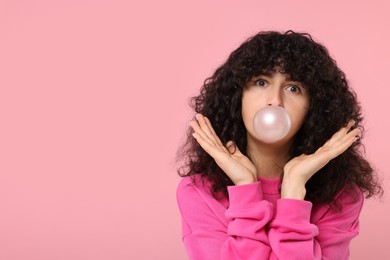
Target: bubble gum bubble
column 271, row 124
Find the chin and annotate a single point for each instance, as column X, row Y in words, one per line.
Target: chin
column 287, row 140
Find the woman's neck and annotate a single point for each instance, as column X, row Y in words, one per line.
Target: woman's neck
column 269, row 159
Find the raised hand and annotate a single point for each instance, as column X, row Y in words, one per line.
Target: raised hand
column 236, row 165
column 300, row 169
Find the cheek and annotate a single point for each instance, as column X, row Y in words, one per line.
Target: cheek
column 246, row 116
column 299, row 118
column 248, row 111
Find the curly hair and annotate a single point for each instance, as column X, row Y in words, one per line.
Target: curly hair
column 332, row 104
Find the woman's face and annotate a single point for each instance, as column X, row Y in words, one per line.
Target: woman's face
column 275, row 90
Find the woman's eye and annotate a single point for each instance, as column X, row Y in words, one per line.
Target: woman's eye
column 294, row 89
column 260, row 82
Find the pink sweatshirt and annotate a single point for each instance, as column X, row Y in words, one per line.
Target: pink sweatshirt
column 255, row 223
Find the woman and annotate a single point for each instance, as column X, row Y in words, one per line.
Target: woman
column 297, row 198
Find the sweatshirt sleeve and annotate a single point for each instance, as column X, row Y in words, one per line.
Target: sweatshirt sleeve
column 292, row 236
column 243, row 236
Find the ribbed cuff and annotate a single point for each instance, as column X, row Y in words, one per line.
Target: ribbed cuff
column 296, row 211
column 244, row 196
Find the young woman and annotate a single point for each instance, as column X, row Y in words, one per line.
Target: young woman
column 297, row 198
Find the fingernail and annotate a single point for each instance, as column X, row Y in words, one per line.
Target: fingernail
column 197, row 116
column 193, row 134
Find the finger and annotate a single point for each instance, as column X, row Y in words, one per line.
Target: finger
column 212, row 131
column 343, row 144
column 340, row 133
column 352, row 135
column 231, row 147
column 210, row 149
column 204, row 126
column 198, row 130
column 342, row 147
column 211, row 141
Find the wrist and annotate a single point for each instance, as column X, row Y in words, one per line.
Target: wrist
column 293, row 189
column 244, row 182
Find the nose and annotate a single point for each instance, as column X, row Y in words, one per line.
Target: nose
column 275, row 98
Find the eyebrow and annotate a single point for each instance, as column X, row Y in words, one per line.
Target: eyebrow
column 268, row 75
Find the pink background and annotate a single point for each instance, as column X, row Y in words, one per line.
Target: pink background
column 93, row 105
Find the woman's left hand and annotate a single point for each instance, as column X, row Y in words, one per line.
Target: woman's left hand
column 300, row 169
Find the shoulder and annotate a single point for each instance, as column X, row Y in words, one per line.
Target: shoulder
column 348, row 200
column 198, row 207
column 192, row 184
column 194, row 190
column 345, row 208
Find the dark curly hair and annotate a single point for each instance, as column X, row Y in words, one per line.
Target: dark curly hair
column 332, row 104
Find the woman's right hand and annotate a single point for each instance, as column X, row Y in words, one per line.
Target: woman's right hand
column 236, row 165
